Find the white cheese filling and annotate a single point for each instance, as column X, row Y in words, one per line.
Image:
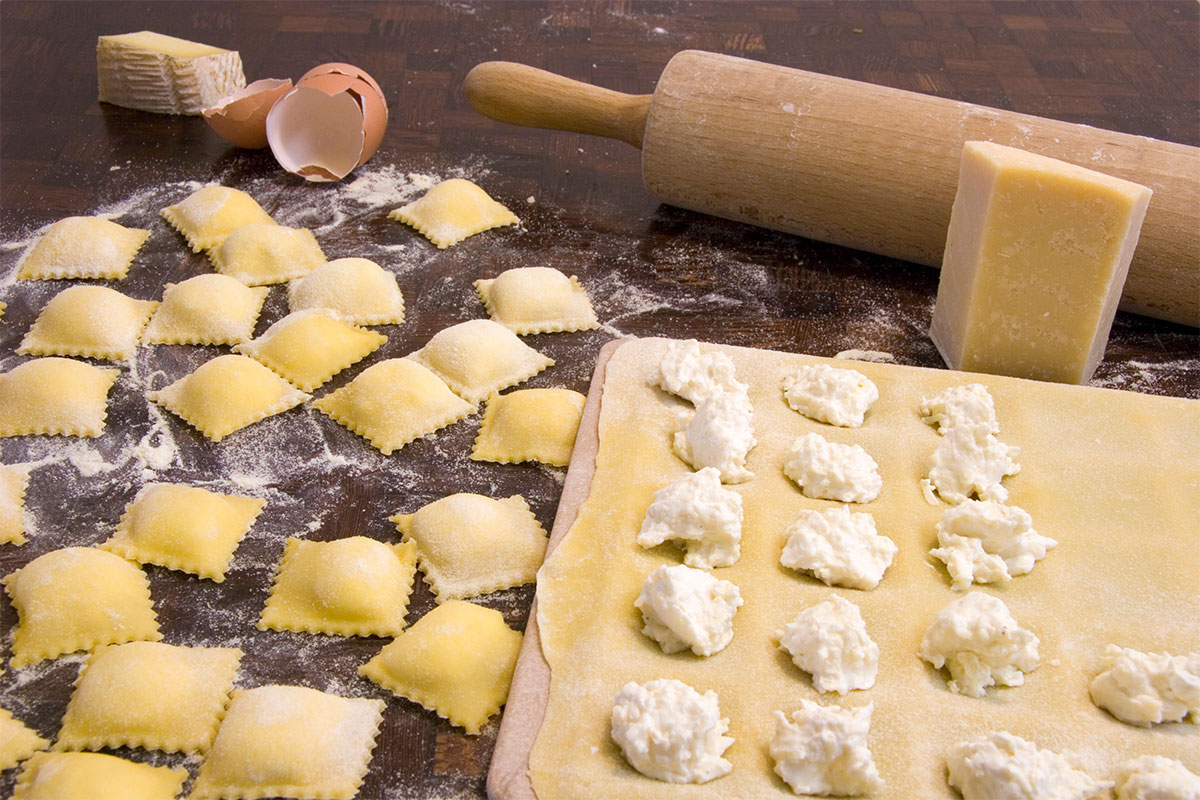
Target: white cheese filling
column 826, row 470
column 978, row 641
column 669, row 731
column 983, row 542
column 701, row 515
column 969, row 462
column 840, row 548
column 829, row 394
column 830, row 641
column 823, row 750
column 1000, row 766
column 1148, row 688
column 970, row 404
column 719, row 435
column 685, row 608
column 686, row 372
column 1156, row 778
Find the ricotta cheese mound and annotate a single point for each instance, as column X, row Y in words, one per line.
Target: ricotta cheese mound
column 840, row 548
column 982, row 541
column 970, row 404
column 669, row 731
column 1000, row 766
column 720, row 435
column 701, row 515
column 826, row 470
column 1148, row 688
column 830, row 641
column 686, row 372
column 1156, row 778
column 978, row 641
column 687, row 608
column 830, row 394
column 823, row 750
column 969, row 462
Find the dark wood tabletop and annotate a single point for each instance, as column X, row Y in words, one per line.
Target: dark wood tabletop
column 650, row 270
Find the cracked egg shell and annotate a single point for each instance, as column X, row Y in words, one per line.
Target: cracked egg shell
column 241, row 118
column 329, row 124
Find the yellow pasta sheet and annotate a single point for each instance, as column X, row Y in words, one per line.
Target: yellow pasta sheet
column 1113, row 476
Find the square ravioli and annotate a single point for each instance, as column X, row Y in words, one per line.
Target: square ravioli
column 478, row 357
column 348, row 587
column 530, row 425
column 262, row 253
column 452, row 211
column 206, row 309
column 310, row 347
column 54, row 396
column 457, row 661
column 356, row 289
column 185, row 528
column 208, row 215
column 89, row 321
column 537, row 300
column 227, row 394
column 289, row 741
column 393, row 402
column 78, row 598
column 469, row 544
column 13, row 480
column 95, row 776
column 17, row 742
column 149, row 694
column 82, row 247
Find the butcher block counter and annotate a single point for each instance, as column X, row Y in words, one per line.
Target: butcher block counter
column 650, row 270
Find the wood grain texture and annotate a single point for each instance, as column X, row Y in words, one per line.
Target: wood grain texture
column 650, row 269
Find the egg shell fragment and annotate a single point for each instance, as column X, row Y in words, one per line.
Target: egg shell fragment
column 241, row 118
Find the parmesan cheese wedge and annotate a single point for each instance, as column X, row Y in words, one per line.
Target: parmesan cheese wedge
column 1036, row 256
column 153, row 72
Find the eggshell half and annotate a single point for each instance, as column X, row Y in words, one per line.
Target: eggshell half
column 344, row 69
column 241, row 118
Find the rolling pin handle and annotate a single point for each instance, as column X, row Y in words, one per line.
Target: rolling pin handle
column 523, row 95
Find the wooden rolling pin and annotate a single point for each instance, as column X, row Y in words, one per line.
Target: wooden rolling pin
column 851, row 163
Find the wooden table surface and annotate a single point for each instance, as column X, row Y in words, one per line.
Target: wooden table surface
column 650, row 269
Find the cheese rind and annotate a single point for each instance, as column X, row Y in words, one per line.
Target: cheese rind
column 153, row 72
column 1036, row 257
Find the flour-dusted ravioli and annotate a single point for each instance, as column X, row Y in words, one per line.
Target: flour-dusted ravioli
column 530, row 425
column 457, row 660
column 149, row 694
column 54, row 396
column 393, row 402
column 206, row 309
column 262, row 253
column 469, row 544
column 210, row 214
column 95, row 776
column 82, row 247
column 348, row 587
column 452, row 211
column 310, row 347
column 90, row 321
column 478, row 357
column 13, row 480
column 537, row 300
column 185, row 528
column 17, row 742
column 289, row 741
column 226, row 394
column 78, row 598
column 357, row 289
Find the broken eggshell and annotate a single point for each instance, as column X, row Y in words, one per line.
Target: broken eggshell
column 331, row 123
column 241, row 118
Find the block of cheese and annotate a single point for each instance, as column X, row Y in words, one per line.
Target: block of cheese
column 153, row 72
column 1036, row 256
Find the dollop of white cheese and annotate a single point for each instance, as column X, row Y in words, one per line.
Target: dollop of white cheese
column 969, row 462
column 1000, row 766
column 830, row 394
column 1156, row 778
column 970, row 404
column 840, row 548
column 978, row 641
column 981, row 541
column 700, row 514
column 1148, row 688
column 669, row 731
column 830, row 641
column 687, row 608
column 826, row 470
column 686, row 372
column 719, row 435
column 823, row 750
